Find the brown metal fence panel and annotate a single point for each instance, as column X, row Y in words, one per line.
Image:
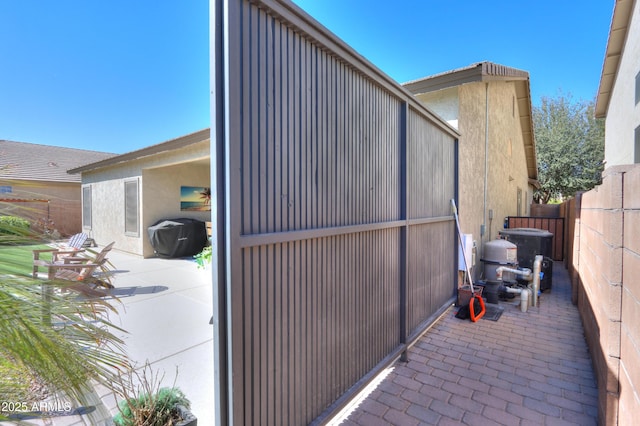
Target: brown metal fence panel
column 554, row 225
column 318, row 315
column 340, row 240
column 431, row 159
column 429, row 282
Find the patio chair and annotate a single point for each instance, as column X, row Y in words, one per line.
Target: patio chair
column 73, row 268
column 69, row 248
column 76, row 242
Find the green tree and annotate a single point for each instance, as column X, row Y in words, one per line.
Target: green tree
column 569, row 147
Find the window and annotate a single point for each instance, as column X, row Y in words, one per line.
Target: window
column 86, row 207
column 637, row 89
column 131, row 210
column 636, row 150
column 5, row 189
column 519, row 209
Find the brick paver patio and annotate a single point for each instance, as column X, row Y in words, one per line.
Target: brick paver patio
column 528, row 368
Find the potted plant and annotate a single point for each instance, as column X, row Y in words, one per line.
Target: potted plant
column 203, row 259
column 150, row 405
column 167, row 406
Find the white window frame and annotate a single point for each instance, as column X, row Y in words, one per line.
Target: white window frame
column 636, row 146
column 132, row 208
column 87, row 207
column 637, row 97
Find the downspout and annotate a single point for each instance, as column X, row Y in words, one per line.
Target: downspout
column 486, row 158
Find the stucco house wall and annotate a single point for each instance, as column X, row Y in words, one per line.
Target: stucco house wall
column 445, row 103
column 487, row 115
column 617, row 99
column 507, row 175
column 160, row 176
column 161, row 196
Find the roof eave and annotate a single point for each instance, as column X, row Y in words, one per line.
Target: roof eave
column 535, row 183
column 525, row 109
column 181, row 142
column 615, row 46
column 8, row 178
column 490, row 72
column 474, row 73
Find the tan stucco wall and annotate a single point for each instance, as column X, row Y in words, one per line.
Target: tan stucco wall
column 107, row 214
column 63, row 207
column 472, row 161
column 160, row 178
column 623, row 115
column 161, row 198
column 506, row 162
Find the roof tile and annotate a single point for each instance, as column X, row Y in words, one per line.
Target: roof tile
column 28, row 161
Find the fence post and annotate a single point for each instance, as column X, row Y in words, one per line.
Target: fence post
column 219, row 321
column 403, row 252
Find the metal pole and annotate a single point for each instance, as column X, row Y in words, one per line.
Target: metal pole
column 464, row 254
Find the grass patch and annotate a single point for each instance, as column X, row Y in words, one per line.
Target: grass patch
column 16, row 381
column 18, row 259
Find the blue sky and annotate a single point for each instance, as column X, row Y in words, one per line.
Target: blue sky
column 121, row 75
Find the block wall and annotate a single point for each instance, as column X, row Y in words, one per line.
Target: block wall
column 607, row 258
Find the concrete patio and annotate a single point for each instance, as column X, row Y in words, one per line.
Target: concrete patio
column 166, row 307
column 526, row 368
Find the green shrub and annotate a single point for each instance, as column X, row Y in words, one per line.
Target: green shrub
column 154, row 409
column 12, row 225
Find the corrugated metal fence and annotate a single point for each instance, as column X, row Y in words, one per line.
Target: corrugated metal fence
column 334, row 215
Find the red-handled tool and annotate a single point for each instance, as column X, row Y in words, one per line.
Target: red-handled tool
column 476, row 300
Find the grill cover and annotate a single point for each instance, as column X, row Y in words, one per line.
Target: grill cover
column 178, row 237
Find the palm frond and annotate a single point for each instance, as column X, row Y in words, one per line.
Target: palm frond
column 60, row 336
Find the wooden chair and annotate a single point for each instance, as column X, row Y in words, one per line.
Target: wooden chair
column 76, row 242
column 71, row 268
column 70, row 248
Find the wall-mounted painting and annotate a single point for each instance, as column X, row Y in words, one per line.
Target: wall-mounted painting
column 195, row 198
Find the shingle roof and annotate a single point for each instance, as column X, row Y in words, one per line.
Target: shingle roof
column 28, row 161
